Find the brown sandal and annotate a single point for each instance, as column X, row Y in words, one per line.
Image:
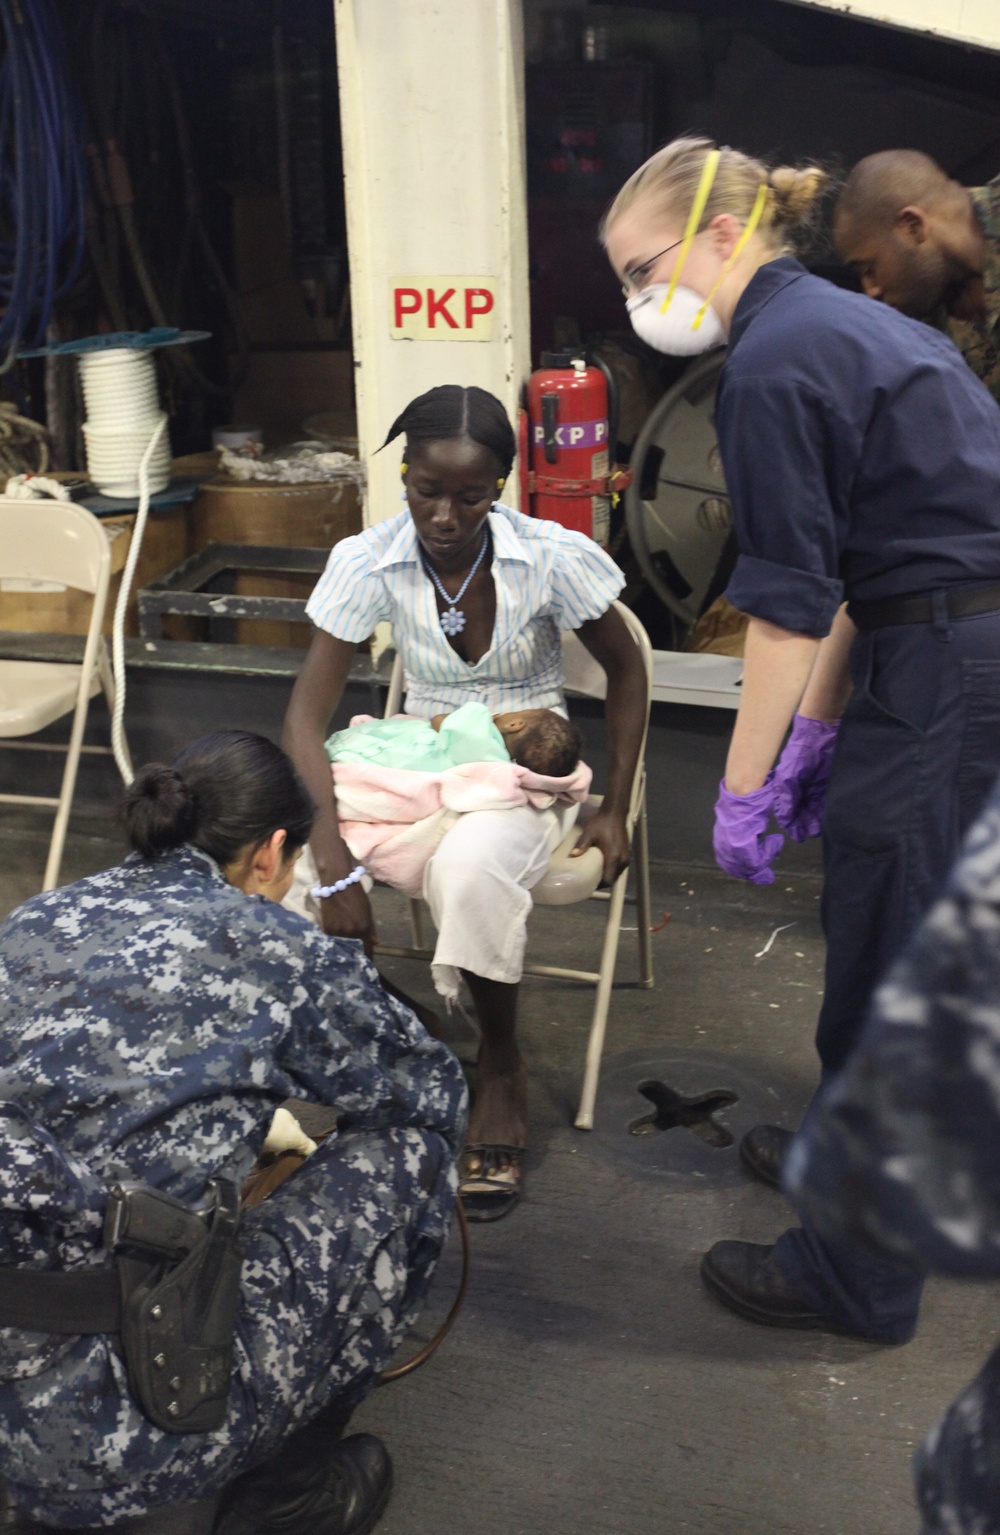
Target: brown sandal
column 491, row 1191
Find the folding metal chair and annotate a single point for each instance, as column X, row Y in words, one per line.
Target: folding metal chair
column 570, row 880
column 55, row 541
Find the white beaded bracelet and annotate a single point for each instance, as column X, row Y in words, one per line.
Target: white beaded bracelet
column 320, row 892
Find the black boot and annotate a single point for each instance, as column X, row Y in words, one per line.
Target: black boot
column 745, row 1277
column 763, row 1150
column 345, row 1491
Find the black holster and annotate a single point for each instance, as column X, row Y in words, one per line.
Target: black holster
column 178, row 1319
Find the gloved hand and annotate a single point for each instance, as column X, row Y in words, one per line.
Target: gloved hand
column 801, row 775
column 741, row 847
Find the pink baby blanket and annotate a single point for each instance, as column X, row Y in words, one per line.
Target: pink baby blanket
column 392, row 819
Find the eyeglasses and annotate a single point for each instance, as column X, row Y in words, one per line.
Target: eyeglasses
column 635, row 280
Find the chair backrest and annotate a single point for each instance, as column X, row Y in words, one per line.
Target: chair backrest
column 53, row 541
column 583, row 675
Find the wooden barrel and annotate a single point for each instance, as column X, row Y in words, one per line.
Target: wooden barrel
column 311, row 516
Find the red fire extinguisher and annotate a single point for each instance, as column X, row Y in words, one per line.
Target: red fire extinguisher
column 567, row 434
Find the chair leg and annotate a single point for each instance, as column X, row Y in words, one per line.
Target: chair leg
column 66, row 795
column 417, row 924
column 640, row 845
column 598, row 1027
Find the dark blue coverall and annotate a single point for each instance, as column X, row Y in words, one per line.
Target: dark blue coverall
column 863, row 463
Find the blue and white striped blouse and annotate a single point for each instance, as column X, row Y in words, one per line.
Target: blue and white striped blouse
column 547, row 579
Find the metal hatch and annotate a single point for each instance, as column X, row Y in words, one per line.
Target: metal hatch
column 677, row 508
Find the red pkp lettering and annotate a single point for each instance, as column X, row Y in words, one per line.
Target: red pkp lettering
column 439, row 306
column 472, row 308
column 403, row 308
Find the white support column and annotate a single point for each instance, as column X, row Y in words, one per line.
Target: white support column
column 432, row 114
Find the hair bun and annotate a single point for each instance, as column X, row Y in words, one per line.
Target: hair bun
column 159, row 810
column 795, row 192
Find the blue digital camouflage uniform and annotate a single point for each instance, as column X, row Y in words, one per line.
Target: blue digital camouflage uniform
column 151, row 1018
column 902, row 1150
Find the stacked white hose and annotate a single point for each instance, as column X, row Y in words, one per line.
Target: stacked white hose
column 123, row 412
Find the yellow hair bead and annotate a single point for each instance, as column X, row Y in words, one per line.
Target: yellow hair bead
column 403, row 468
column 500, row 484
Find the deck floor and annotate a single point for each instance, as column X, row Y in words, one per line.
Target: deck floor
column 591, row 1385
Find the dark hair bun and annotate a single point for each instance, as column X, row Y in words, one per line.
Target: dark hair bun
column 159, row 810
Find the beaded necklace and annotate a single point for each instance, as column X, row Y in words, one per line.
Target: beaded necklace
column 453, row 618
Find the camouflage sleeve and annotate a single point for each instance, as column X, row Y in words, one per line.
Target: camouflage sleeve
column 356, row 1047
column 903, row 1148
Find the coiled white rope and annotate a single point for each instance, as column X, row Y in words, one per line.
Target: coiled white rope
column 123, row 411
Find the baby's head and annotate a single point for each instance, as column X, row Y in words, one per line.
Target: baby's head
column 541, row 740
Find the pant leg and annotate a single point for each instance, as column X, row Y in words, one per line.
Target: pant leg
column 478, row 886
column 337, row 1263
column 918, row 753
column 956, row 1471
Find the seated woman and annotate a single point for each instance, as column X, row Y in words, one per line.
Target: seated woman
column 477, row 595
column 151, row 1019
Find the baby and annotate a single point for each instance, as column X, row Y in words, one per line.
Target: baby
column 537, row 739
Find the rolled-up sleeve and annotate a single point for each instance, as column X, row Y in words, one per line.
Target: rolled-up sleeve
column 789, row 458
column 350, row 597
column 584, row 580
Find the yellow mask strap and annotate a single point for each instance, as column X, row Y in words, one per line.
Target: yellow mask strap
column 694, row 219
column 755, row 217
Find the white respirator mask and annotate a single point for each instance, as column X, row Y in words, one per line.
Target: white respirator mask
column 675, row 319
column 676, row 328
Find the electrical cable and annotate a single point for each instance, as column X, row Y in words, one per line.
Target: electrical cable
column 399, row 1370
column 42, row 178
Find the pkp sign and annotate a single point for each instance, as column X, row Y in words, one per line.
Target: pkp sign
column 442, row 308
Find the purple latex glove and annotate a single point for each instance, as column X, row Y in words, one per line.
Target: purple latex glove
column 801, row 775
column 741, row 847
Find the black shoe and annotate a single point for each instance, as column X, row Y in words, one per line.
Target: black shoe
column 763, row 1150
column 347, row 1496
column 745, row 1277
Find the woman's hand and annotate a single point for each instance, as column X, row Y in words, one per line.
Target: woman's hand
column 349, row 915
column 607, row 831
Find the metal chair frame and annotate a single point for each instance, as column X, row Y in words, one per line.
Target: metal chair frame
column 58, row 541
column 584, row 677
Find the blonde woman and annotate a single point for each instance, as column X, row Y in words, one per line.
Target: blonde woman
column 863, row 465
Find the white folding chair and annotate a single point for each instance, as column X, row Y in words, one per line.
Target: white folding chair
column 55, row 541
column 569, row 880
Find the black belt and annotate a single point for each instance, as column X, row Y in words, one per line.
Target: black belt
column 75, row 1301
column 959, row 602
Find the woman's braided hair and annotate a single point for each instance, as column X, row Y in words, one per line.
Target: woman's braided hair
column 453, row 410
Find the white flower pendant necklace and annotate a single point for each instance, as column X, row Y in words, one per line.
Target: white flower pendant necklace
column 453, row 619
